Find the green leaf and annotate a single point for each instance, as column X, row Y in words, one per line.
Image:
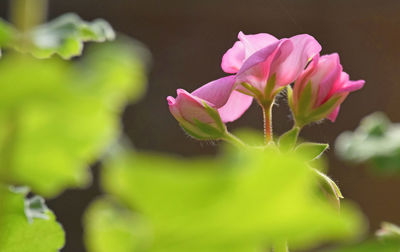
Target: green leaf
column 305, row 100
column 26, row 233
column 57, row 117
column 110, row 227
column 269, row 87
column 312, row 150
column 64, row 36
column 331, row 185
column 325, row 109
column 215, row 115
column 388, row 241
column 240, row 202
column 6, row 32
column 288, row 140
column 209, row 130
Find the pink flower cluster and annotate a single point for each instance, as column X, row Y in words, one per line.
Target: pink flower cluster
column 262, row 66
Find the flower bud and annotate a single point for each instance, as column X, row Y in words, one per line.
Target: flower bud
column 202, row 114
column 196, row 117
column 320, row 89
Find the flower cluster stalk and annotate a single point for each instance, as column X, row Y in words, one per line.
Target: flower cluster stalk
column 26, row 14
column 267, row 114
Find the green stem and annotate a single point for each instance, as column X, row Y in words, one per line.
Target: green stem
column 281, row 247
column 26, row 14
column 267, row 113
column 230, row 138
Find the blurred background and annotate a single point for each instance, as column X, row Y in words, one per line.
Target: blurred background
column 187, row 39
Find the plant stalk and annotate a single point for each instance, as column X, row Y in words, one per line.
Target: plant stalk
column 25, row 14
column 267, row 113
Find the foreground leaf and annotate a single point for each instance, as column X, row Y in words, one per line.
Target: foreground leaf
column 22, row 233
column 56, row 118
column 241, row 202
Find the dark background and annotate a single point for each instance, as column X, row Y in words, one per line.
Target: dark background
column 187, row 39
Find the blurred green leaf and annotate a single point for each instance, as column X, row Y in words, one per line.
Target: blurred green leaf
column 22, row 233
column 110, row 227
column 243, row 201
column 64, row 36
column 376, row 141
column 389, row 230
column 371, row 246
column 58, row 117
column 388, row 241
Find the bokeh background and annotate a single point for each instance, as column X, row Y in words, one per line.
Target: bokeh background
column 187, row 39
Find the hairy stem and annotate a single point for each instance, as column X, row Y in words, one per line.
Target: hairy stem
column 267, row 113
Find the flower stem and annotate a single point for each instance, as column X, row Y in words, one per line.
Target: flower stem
column 267, row 113
column 281, row 247
column 230, row 138
column 26, row 14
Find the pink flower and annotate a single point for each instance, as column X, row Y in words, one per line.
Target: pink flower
column 267, row 64
column 203, row 112
column 320, row 89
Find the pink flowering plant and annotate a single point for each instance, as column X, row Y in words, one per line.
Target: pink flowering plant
column 261, row 67
column 261, row 192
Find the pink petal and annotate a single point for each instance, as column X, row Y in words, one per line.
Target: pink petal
column 248, row 44
column 216, row 92
column 345, row 85
column 255, row 69
column 332, row 116
column 255, row 42
column 237, row 104
column 291, row 61
column 326, row 77
column 191, row 107
column 351, row 86
column 233, row 58
column 173, row 108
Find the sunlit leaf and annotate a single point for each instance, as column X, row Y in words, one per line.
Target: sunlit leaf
column 22, row 233
column 64, row 36
column 244, row 200
column 110, row 227
column 58, row 117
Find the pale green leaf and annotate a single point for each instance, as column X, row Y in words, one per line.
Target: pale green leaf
column 64, row 36
column 243, row 200
column 22, row 233
column 376, row 141
column 56, row 117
